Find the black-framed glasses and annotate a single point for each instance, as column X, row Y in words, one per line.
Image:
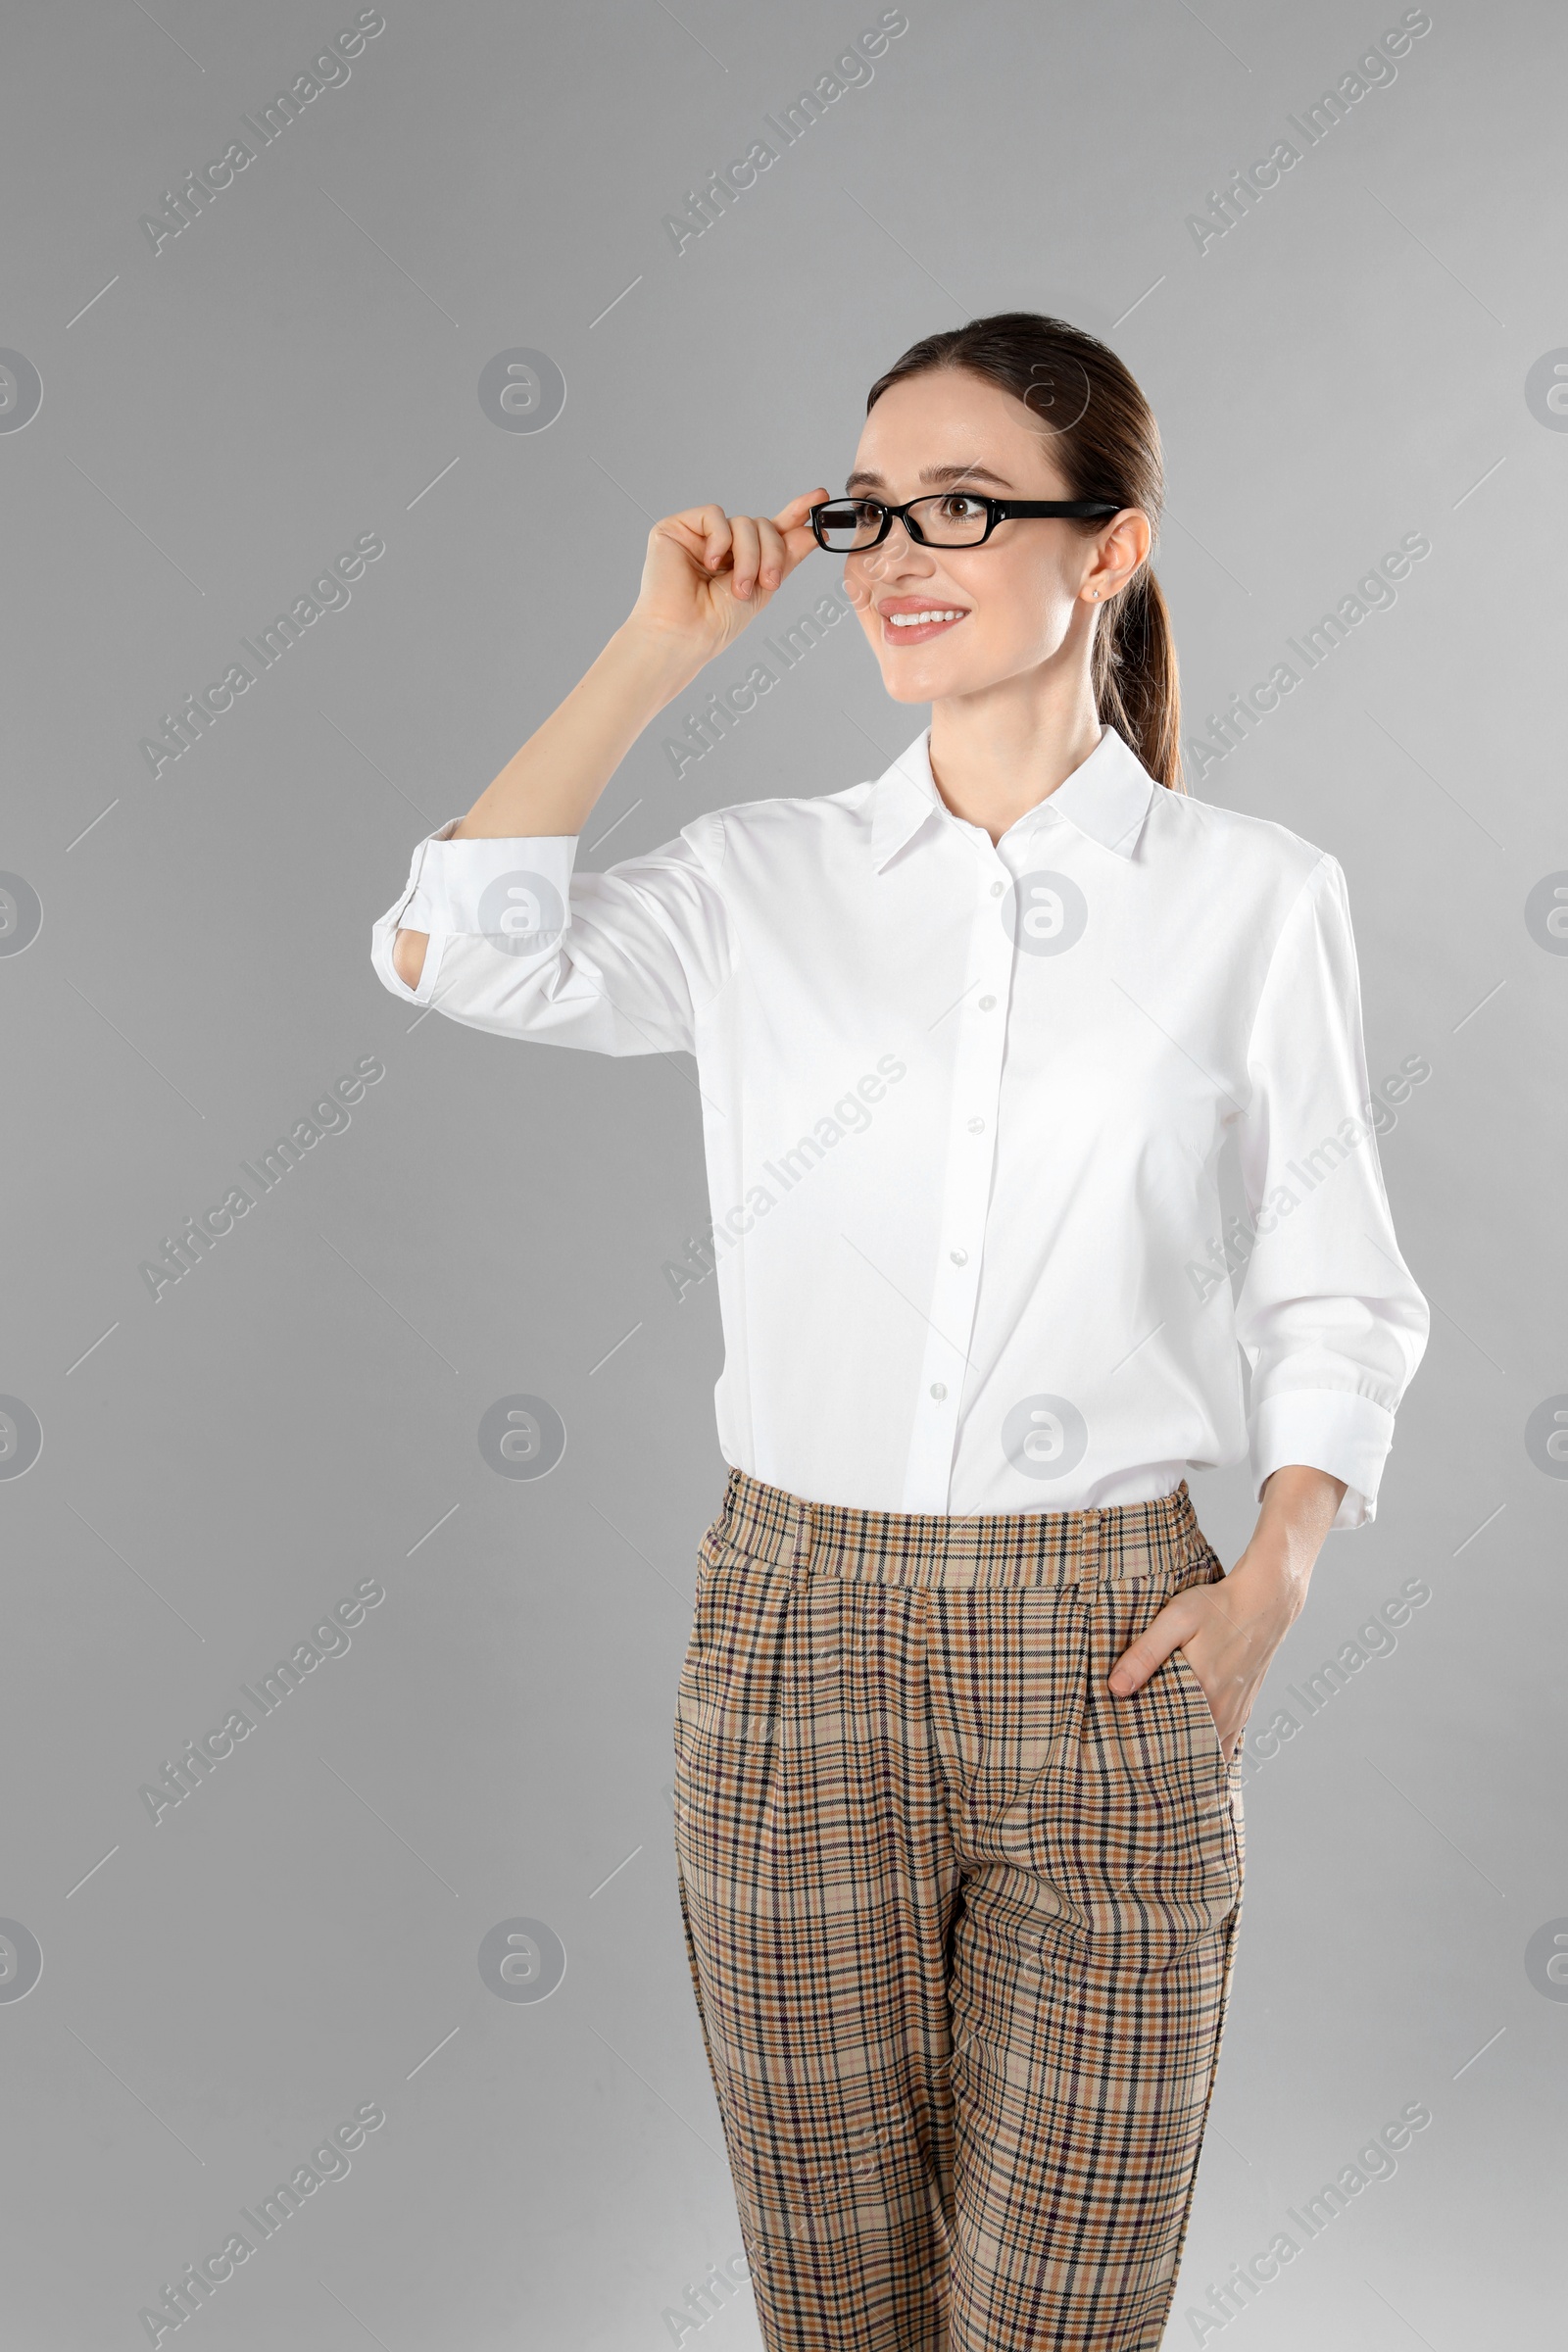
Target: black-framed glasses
column 848, row 526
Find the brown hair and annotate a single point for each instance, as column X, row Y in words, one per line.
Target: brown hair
column 1106, row 444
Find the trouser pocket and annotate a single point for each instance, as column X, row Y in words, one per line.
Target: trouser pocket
column 728, row 1698
column 1197, row 1699
column 1152, row 1820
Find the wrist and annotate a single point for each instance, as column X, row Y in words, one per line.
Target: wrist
column 1272, row 1577
column 660, row 661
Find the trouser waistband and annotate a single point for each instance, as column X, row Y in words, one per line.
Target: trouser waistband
column 918, row 1548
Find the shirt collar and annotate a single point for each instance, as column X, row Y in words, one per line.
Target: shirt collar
column 1106, row 798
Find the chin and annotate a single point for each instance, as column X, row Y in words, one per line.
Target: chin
column 909, row 681
column 902, row 688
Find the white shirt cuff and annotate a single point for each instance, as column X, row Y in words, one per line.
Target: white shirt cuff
column 501, row 888
column 1327, row 1428
column 453, row 881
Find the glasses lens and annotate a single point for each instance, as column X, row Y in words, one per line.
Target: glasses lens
column 849, row 524
column 956, row 518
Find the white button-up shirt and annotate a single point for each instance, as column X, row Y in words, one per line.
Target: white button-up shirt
column 964, row 1105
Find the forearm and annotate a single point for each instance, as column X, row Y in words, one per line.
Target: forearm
column 705, row 575
column 551, row 784
column 1298, row 1509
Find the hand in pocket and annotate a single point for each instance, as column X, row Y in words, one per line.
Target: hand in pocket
column 1227, row 1633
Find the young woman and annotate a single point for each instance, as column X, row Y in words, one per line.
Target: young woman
column 958, row 1828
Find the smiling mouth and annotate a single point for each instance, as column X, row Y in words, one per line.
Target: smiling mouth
column 916, row 628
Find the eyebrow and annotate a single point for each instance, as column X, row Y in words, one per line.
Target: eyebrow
column 935, row 476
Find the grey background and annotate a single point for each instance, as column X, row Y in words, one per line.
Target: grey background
column 297, row 1414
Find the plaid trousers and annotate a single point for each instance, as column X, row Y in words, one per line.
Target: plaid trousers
column 960, row 1923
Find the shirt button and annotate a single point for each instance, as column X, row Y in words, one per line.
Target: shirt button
column 986, row 1002
column 977, row 1126
column 938, row 1389
column 960, row 1257
column 996, row 889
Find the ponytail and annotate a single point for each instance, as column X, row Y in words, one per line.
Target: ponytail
column 1133, row 671
column 1109, row 450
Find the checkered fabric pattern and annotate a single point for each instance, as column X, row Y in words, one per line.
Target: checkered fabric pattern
column 960, row 1924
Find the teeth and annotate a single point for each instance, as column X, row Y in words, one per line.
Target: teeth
column 918, row 620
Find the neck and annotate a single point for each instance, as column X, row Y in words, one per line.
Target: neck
column 1002, row 750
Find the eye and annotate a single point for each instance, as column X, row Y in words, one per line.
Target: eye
column 961, row 506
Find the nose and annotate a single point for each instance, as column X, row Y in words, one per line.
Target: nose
column 899, row 537
column 898, row 556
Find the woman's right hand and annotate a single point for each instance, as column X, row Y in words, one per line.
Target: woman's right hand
column 707, row 572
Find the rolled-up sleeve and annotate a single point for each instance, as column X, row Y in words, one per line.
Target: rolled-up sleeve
column 1328, row 1314
column 524, row 946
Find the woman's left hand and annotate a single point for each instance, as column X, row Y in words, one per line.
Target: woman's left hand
column 1231, row 1630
